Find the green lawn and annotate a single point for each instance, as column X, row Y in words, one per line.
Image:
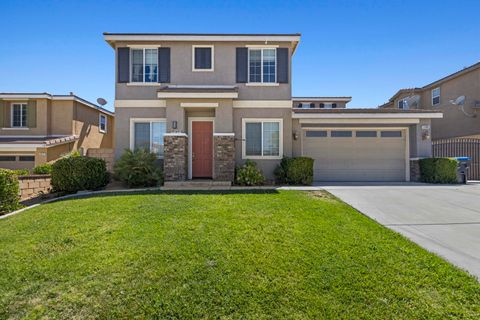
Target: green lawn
column 276, row 255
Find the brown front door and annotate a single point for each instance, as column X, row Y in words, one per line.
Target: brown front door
column 202, row 149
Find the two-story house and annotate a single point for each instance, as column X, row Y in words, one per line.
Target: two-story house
column 456, row 95
column 208, row 102
column 37, row 128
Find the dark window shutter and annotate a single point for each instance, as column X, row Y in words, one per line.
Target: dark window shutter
column 282, row 65
column 242, row 65
column 334, row 105
column 312, row 105
column 322, row 105
column 123, row 65
column 164, row 65
column 2, row 113
column 32, row 114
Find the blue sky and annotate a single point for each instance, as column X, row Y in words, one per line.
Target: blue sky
column 366, row 49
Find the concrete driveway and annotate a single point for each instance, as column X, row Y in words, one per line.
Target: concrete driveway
column 442, row 219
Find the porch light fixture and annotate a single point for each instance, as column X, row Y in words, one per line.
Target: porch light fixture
column 174, row 124
column 295, row 135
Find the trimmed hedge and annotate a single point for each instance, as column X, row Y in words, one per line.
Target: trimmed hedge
column 45, row 168
column 138, row 168
column 21, row 172
column 249, row 174
column 72, row 174
column 297, row 170
column 438, row 170
column 9, row 191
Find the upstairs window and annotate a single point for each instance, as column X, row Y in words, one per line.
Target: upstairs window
column 102, row 123
column 306, row 105
column 144, row 65
column 327, row 105
column 435, row 96
column 202, row 58
column 262, row 65
column 19, row 115
column 403, row 104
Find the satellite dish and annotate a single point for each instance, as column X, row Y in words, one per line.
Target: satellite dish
column 460, row 101
column 101, row 101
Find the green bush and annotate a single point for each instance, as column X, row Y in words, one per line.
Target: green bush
column 9, row 189
column 297, row 170
column 138, row 168
column 438, row 170
column 21, row 172
column 45, row 168
column 72, row 174
column 249, row 175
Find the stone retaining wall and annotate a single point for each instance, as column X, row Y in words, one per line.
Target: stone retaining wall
column 106, row 154
column 33, row 186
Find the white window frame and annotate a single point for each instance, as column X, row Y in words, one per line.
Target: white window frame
column 132, row 130
column 306, row 103
column 143, row 82
column 23, row 107
column 212, row 57
column 262, row 120
column 261, row 83
column 100, row 116
column 405, row 103
column 439, row 93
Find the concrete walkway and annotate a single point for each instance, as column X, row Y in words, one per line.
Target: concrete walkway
column 443, row 219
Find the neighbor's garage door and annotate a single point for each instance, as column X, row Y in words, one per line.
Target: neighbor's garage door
column 356, row 155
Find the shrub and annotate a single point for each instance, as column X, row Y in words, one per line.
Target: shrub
column 438, row 170
column 138, row 168
column 297, row 170
column 9, row 189
column 21, row 172
column 249, row 174
column 45, row 168
column 72, row 174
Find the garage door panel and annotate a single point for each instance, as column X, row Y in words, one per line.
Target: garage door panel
column 357, row 158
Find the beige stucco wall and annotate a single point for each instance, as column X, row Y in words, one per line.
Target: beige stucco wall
column 41, row 125
column 267, row 166
column 454, row 122
column 86, row 127
column 224, row 72
column 122, row 124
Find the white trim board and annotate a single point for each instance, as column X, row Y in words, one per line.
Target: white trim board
column 190, row 120
column 140, row 103
column 287, row 104
column 199, row 95
column 321, row 115
column 199, row 104
column 362, row 121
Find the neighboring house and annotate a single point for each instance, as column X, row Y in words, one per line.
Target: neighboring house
column 458, row 120
column 208, row 102
column 36, row 128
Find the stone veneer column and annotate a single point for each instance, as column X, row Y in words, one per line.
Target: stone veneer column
column 175, row 159
column 415, row 174
column 224, row 156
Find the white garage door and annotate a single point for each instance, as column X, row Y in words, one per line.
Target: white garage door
column 356, row 155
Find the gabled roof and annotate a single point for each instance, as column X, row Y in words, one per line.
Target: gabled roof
column 433, row 84
column 294, row 38
column 46, row 95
